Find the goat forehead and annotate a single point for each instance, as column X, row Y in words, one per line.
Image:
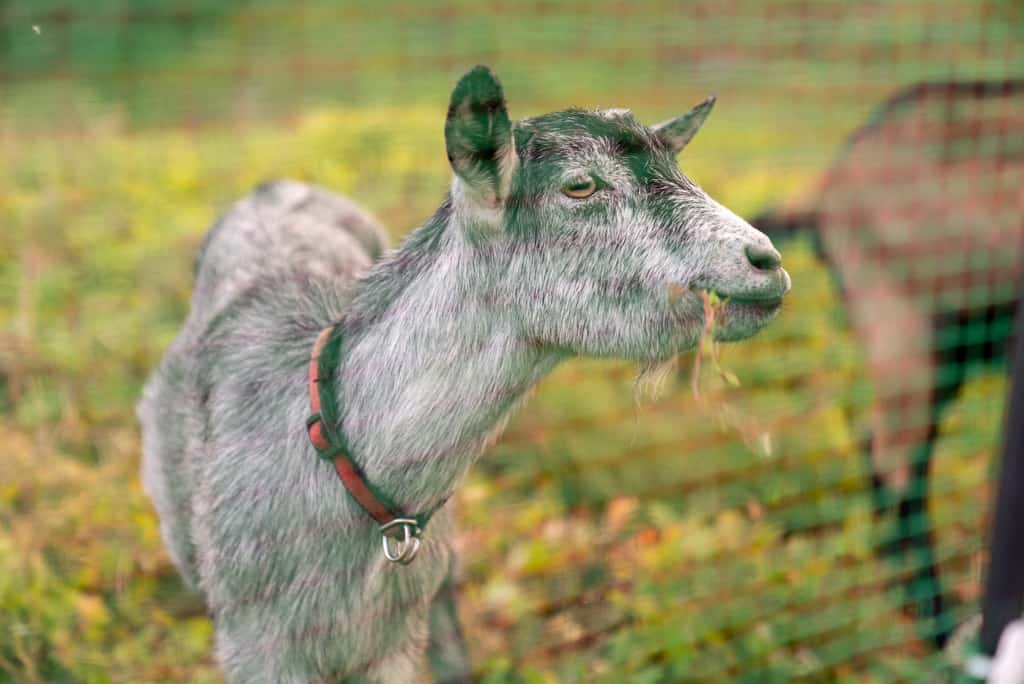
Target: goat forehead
column 614, row 113
column 605, row 137
column 574, row 130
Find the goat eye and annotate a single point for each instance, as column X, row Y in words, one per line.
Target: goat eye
column 580, row 189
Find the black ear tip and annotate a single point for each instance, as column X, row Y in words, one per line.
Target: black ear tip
column 481, row 71
column 478, row 84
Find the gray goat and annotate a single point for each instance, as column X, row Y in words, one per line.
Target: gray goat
column 572, row 233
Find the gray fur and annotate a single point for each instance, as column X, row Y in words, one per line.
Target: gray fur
column 444, row 337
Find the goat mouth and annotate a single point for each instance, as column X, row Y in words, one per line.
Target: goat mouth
column 767, row 303
column 738, row 318
column 760, row 303
column 751, row 302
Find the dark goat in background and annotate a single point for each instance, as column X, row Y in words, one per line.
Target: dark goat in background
column 921, row 221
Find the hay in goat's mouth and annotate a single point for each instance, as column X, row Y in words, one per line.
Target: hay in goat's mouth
column 713, row 306
column 752, row 434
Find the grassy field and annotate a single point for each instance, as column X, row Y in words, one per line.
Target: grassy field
column 650, row 541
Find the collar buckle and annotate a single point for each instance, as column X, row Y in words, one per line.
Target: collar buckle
column 401, row 540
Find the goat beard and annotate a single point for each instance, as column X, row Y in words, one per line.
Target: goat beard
column 653, row 379
column 652, row 382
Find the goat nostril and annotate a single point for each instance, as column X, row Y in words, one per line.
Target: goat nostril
column 763, row 258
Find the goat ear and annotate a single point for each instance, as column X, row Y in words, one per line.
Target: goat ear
column 478, row 135
column 679, row 131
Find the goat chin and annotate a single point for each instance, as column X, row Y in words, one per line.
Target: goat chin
column 742, row 320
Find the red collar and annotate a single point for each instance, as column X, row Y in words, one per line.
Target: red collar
column 400, row 534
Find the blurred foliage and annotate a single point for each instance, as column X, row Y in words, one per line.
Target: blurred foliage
column 606, row 537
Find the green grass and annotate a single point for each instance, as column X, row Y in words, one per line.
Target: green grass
column 643, row 542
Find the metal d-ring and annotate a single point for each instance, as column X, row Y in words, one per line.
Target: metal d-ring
column 406, row 546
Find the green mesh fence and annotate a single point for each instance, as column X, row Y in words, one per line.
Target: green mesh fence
column 822, row 521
